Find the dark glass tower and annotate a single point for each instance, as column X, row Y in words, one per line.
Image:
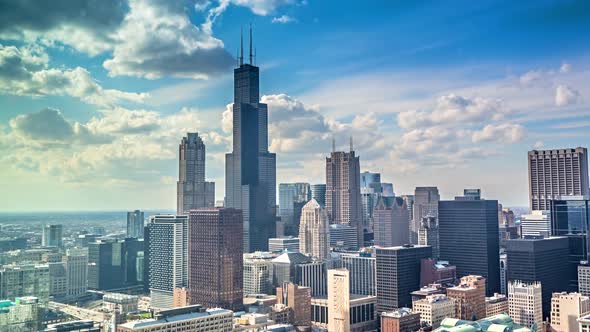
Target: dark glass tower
column 250, row 173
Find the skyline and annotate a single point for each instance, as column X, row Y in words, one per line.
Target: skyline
column 92, row 120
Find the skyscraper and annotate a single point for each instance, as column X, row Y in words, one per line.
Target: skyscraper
column 292, row 197
column 135, row 224
column 76, row 261
column 215, row 258
column 250, row 173
column 371, row 190
column 525, row 303
column 468, row 239
column 425, row 204
column 391, row 222
column 52, row 236
column 318, row 192
column 338, row 300
column 314, row 233
column 428, row 234
column 343, row 192
column 362, row 270
column 553, row 173
column 192, row 191
column 105, row 264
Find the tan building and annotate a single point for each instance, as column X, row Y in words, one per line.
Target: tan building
column 566, row 309
column 297, row 298
column 338, row 299
column 434, row 308
column 314, row 231
column 497, row 304
column 401, row 320
column 180, row 297
column 525, row 303
column 469, row 297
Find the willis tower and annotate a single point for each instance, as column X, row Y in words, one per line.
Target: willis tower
column 250, row 173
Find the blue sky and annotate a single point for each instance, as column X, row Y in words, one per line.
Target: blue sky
column 95, row 96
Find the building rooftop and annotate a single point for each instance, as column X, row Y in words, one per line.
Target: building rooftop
column 176, row 318
column 497, row 323
column 291, row 257
column 401, row 312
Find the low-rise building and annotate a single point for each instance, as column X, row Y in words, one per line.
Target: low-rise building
column 434, row 308
column 566, row 309
column 361, row 311
column 401, row 320
column 496, row 304
column 22, row 315
column 496, row 323
column 191, row 318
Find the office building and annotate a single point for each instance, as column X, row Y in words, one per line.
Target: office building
column 428, row 234
column 339, row 310
column 424, row 292
column 468, row 239
column 584, row 278
column 105, row 265
column 400, row 320
column 425, row 205
column 525, row 303
column 57, row 280
column 23, row 315
column 168, row 258
column 543, row 261
column 566, row 309
column 258, row 273
column 398, row 269
column 343, row 192
column 24, row 279
column 361, row 313
column 216, row 258
column 503, row 273
column 314, row 234
column 553, row 173
column 409, row 199
column 52, row 236
column 297, row 298
column 292, row 197
column 437, row 272
column 250, row 174
column 391, row 223
column 192, row 318
column 371, row 190
column 285, row 243
column 469, row 297
column 433, row 309
column 76, row 261
column 344, row 236
column 584, row 324
column 192, row 191
column 318, row 192
column 362, row 269
column 302, row 270
column 496, row 304
column 135, row 224
column 536, row 224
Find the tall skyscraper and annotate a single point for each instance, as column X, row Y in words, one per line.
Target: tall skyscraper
column 168, row 258
column 338, row 300
column 135, row 225
column 428, row 234
column 250, row 173
column 314, row 231
column 468, row 239
column 398, row 271
column 425, row 205
column 192, row 191
column 318, row 192
column 525, row 303
column 371, row 190
column 292, row 197
column 362, row 270
column 343, row 192
column 391, row 222
column 215, row 258
column 52, row 236
column 553, row 173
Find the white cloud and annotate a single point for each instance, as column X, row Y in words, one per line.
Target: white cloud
column 565, row 68
column 502, row 133
column 262, row 7
column 566, row 95
column 283, row 19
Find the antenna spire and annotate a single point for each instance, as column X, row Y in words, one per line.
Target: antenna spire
column 333, row 144
column 351, row 149
column 241, row 46
column 251, row 43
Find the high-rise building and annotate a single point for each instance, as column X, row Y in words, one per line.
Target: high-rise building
column 300, row 269
column 52, row 236
column 362, row 268
column 297, row 298
column 433, row 309
column 24, row 279
column 343, row 192
column 168, row 258
column 428, row 234
column 540, row 260
column 360, row 309
column 23, row 315
column 425, row 205
column 566, row 309
column 280, row 244
column 344, row 236
column 536, row 224
column 250, row 174
column 391, row 222
column 135, row 224
column 400, row 320
column 525, row 303
column 57, row 280
column 314, row 234
column 216, row 258
column 469, row 297
column 76, row 261
column 258, row 273
column 496, row 304
column 338, row 298
column 192, row 191
column 292, row 197
column 105, row 264
column 371, row 190
column 584, row 278
column 398, row 271
column 468, row 239
column 318, row 192
column 553, row 173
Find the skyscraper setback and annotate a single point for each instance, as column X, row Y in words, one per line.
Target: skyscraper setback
column 193, row 192
column 250, row 173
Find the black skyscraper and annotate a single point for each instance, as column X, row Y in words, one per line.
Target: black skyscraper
column 468, row 239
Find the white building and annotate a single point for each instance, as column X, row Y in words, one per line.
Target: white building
column 192, row 318
column 434, row 308
column 314, row 234
column 76, row 261
column 584, row 278
column 566, row 309
column 258, row 273
column 538, row 223
column 280, row 244
column 525, row 303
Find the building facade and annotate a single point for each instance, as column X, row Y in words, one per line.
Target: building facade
column 400, row 320
column 425, row 205
column 292, row 196
column 191, row 318
column 285, row 243
column 52, row 236
column 566, row 309
column 314, row 234
column 362, row 268
column 496, row 304
column 135, row 224
column 391, row 222
column 297, row 298
column 258, row 273
column 433, row 309
column 525, row 303
column 192, row 191
column 318, row 192
column 536, row 224
column 24, row 279
column 428, row 234
column 469, row 297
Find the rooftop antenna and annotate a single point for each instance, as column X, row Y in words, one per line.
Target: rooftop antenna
column 251, row 43
column 333, row 144
column 351, row 149
column 241, row 46
column 255, row 55
column 237, row 57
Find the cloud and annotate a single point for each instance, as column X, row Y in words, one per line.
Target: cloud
column 566, row 95
column 502, row 133
column 565, row 68
column 263, row 7
column 24, row 72
column 283, row 19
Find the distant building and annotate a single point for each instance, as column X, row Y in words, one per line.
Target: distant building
column 24, row 279
column 76, row 261
column 437, row 272
column 469, row 297
column 193, row 192
column 525, row 303
column 362, row 268
column 75, row 326
column 318, row 192
column 424, row 292
column 302, row 270
column 135, row 224
column 371, row 190
column 52, row 236
column 258, row 273
column 292, row 197
column 496, row 304
column 343, row 236
column 391, row 222
column 433, row 309
column 536, row 224
column 280, row 244
column 503, row 273
column 215, row 267
column 428, row 234
column 23, row 315
column 425, row 205
column 57, row 280
column 123, row 303
column 553, row 173
column 191, row 318
column 398, row 269
column 400, row 320
column 297, row 298
column 566, row 309
column 314, row 235
column 584, row 278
